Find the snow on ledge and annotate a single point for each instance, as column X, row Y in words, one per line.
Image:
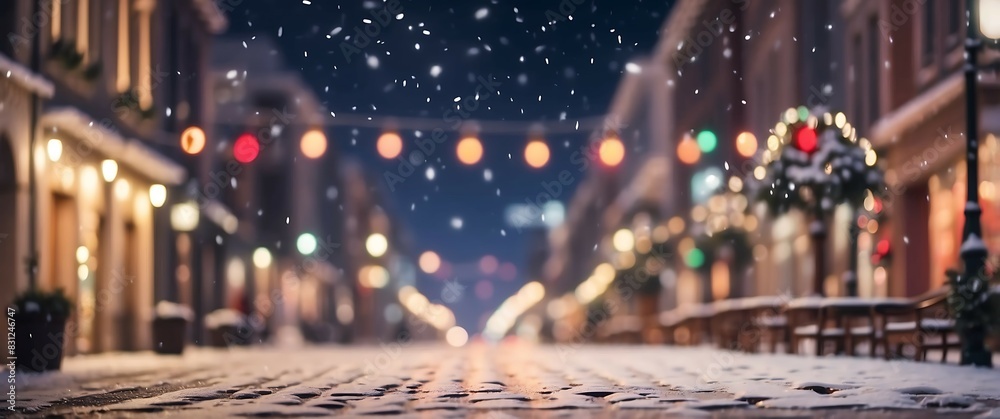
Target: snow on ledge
column 23, row 76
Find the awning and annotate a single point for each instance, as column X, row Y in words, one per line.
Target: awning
column 888, row 128
column 25, row 78
column 128, row 153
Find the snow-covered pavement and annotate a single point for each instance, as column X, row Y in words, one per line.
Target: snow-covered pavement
column 518, row 380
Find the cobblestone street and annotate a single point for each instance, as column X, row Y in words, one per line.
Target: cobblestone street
column 505, row 381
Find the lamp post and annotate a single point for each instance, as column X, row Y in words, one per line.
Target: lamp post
column 973, row 250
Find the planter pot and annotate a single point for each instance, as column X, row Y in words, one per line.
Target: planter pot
column 169, row 335
column 993, row 342
column 39, row 341
column 231, row 335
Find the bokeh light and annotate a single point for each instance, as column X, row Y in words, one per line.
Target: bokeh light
column 536, row 154
column 488, row 264
column 623, row 240
column 246, row 148
column 313, row 144
column 262, row 258
column 456, row 336
column 469, row 150
column 429, row 262
column 306, row 244
column 376, row 244
column 688, row 151
column 707, row 141
column 389, row 145
column 193, row 140
column 746, row 144
column 612, row 151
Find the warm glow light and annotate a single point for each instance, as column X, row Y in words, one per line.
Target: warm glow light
column 122, row 189
column 623, row 240
column 82, row 254
column 536, row 153
column 377, row 245
column 746, row 144
column 157, row 195
column 612, row 151
column 457, row 336
column 470, row 150
column 389, row 145
column 306, row 244
column 55, row 149
column 429, row 262
column 373, row 276
column 193, row 140
column 246, row 148
column 688, row 151
column 989, row 18
column 184, row 216
column 313, row 144
column 262, row 258
column 109, row 169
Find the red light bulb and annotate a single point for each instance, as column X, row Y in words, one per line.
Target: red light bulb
column 805, row 140
column 246, row 148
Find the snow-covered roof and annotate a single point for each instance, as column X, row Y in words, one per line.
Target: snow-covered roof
column 130, row 153
column 24, row 77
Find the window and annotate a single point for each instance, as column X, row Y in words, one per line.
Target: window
column 927, row 33
column 956, row 18
column 874, row 66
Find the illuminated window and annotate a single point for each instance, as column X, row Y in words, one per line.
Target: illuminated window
column 56, row 23
column 83, row 28
column 124, row 80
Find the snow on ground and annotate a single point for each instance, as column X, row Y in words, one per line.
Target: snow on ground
column 399, row 378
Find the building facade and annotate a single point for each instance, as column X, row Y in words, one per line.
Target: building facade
column 113, row 88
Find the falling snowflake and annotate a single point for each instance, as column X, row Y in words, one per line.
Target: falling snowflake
column 430, row 173
column 435, row 70
column 482, row 13
column 488, row 175
column 456, row 223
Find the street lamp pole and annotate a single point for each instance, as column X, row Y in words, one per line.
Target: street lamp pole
column 973, row 250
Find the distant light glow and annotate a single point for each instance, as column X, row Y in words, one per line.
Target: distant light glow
column 707, row 141
column 262, row 258
column 623, row 240
column 389, row 145
column 54, row 149
column 157, row 195
column 313, row 144
column 377, row 245
column 746, row 144
column 536, row 154
column 469, row 150
column 193, row 140
column 688, row 151
column 611, row 151
column 246, row 148
column 429, row 262
column 306, row 244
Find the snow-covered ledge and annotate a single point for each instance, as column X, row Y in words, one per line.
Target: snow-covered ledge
column 24, row 77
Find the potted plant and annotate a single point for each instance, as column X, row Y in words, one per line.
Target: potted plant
column 170, row 328
column 39, row 329
column 228, row 327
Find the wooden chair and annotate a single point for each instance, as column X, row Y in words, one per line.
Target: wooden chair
column 925, row 323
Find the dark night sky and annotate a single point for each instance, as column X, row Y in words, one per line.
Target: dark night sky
column 574, row 65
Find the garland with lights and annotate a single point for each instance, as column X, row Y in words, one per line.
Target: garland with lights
column 813, row 162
